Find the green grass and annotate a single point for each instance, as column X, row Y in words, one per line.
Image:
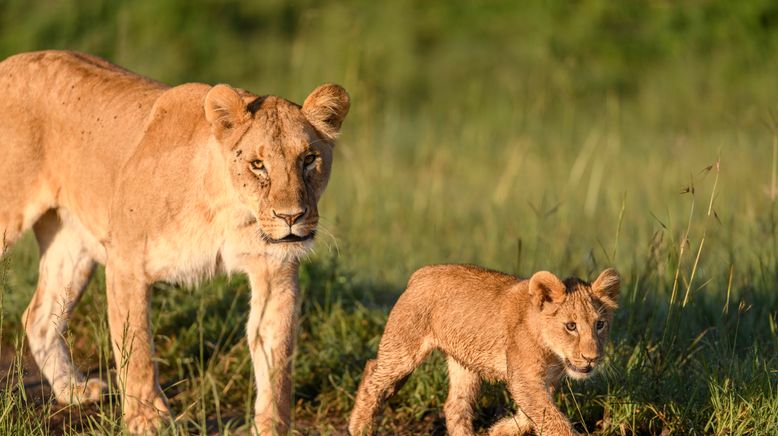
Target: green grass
column 567, row 136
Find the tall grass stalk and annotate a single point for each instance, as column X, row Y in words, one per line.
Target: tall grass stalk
column 704, row 232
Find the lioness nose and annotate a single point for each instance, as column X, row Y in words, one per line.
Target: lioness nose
column 589, row 357
column 290, row 218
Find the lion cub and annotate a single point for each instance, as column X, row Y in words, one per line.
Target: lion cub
column 495, row 326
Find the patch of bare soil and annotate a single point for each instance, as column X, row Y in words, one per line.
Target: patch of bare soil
column 34, row 392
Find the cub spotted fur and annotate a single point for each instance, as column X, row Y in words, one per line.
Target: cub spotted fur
column 494, row 326
column 159, row 183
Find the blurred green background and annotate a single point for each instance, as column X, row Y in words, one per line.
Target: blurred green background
column 560, row 135
column 471, row 120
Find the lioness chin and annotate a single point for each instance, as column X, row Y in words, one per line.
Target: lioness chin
column 528, row 333
column 159, row 183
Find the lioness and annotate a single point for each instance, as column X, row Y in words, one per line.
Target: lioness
column 159, row 183
column 497, row 327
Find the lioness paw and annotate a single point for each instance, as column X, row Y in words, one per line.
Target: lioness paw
column 146, row 421
column 143, row 424
column 85, row 392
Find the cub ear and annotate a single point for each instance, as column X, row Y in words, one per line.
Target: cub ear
column 326, row 108
column 607, row 287
column 545, row 287
column 225, row 110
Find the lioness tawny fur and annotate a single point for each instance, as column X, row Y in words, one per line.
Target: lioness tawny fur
column 528, row 333
column 159, row 183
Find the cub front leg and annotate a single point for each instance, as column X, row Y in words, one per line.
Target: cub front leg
column 144, row 406
column 536, row 405
column 271, row 334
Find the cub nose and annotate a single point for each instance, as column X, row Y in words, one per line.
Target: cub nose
column 290, row 217
column 589, row 357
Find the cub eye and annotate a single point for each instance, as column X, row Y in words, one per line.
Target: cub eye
column 257, row 165
column 599, row 325
column 570, row 326
column 309, row 159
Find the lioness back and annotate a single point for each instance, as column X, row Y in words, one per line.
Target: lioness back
column 66, row 116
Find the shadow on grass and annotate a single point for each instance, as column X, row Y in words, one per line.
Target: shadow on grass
column 686, row 370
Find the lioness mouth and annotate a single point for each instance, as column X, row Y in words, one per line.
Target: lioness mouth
column 289, row 238
column 584, row 370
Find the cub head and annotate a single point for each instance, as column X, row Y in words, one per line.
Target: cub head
column 575, row 317
column 278, row 155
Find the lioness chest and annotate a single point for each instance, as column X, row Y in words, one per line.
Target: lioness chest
column 199, row 249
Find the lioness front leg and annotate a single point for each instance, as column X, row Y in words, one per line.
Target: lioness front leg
column 271, row 334
column 144, row 406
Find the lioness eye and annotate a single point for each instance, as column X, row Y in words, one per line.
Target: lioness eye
column 599, row 324
column 570, row 326
column 257, row 165
column 309, row 159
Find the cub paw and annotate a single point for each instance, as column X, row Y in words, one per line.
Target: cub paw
column 354, row 430
column 510, row 426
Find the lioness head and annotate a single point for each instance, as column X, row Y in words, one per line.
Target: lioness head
column 575, row 317
column 279, row 156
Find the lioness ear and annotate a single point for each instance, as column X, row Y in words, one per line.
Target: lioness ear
column 326, row 108
column 545, row 287
column 225, row 110
column 607, row 287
